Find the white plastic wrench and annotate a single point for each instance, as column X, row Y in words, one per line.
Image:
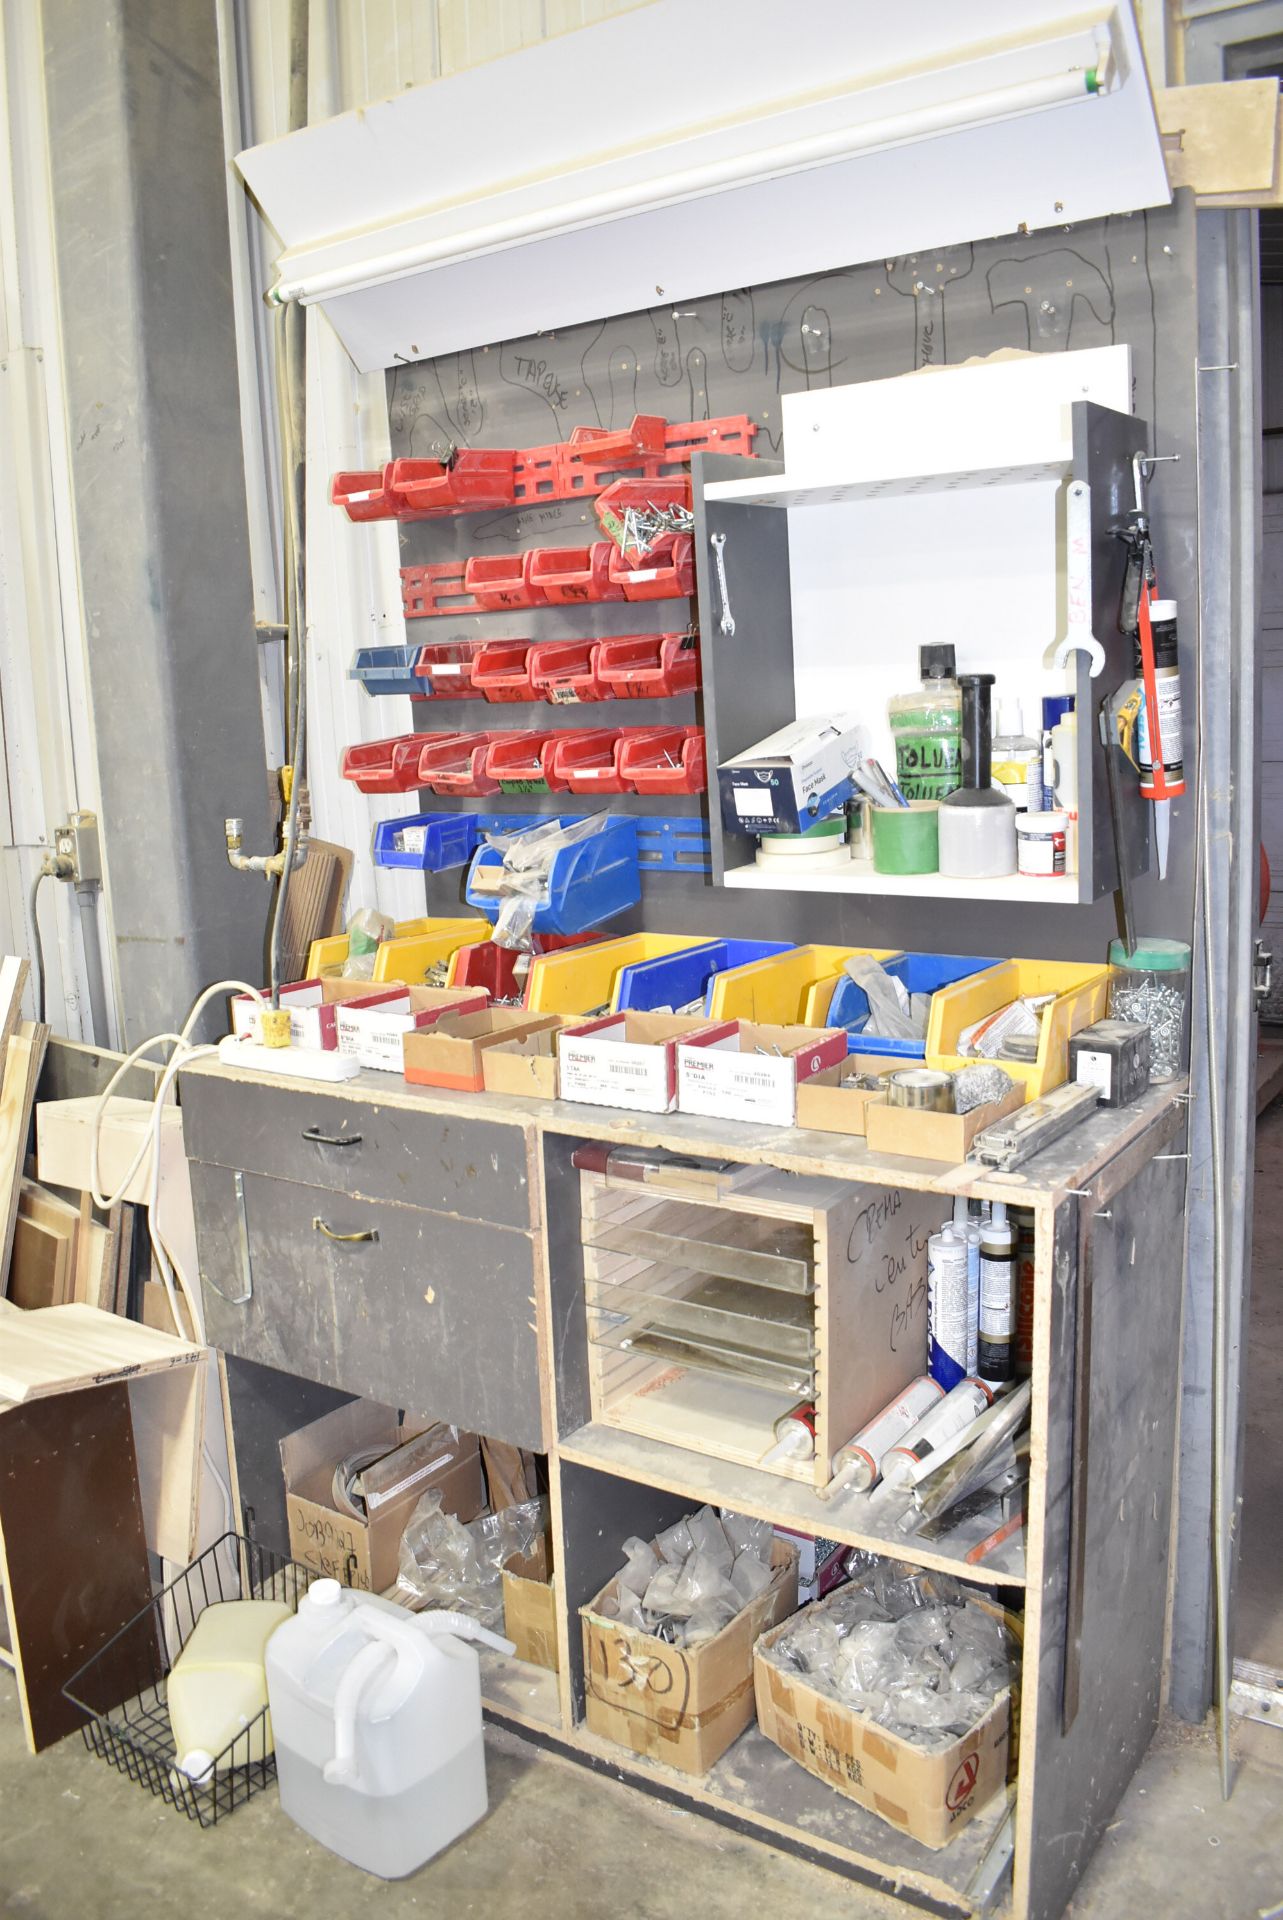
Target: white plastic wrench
column 1079, row 637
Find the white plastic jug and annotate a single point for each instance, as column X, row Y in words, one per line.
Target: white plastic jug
column 216, row 1688
column 377, row 1719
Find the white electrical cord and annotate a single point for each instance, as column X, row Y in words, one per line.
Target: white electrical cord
column 183, row 1054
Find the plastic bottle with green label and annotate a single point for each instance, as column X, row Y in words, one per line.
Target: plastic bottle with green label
column 926, row 726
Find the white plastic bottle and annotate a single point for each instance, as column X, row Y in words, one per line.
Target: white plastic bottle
column 1017, row 760
column 970, row 1230
column 947, row 1306
column 377, row 1718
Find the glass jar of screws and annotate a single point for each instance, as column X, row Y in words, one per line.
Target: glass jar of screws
column 1151, row 985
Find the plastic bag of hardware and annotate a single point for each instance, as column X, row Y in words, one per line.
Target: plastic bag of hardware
column 749, row 1536
column 890, row 1016
column 523, row 881
column 366, row 931
column 444, row 1563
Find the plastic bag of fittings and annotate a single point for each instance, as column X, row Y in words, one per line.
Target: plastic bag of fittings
column 366, row 932
column 701, row 1572
column 523, row 881
column 890, row 1015
column 443, row 1563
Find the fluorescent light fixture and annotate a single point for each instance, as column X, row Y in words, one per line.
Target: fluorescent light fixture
column 681, row 148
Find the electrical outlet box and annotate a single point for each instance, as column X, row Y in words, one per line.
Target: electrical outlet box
column 75, row 840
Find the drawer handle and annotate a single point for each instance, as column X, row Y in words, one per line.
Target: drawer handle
column 371, row 1233
column 319, row 1139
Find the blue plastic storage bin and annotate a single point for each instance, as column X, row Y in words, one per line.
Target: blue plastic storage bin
column 677, row 979
column 918, row 973
column 387, row 670
column 449, row 840
column 590, row 880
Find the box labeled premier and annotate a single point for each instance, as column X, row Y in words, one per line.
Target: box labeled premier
column 526, row 1066
column 625, row 1060
column 792, row 778
column 682, row 1705
column 371, row 1030
column 313, row 1007
column 451, row 1053
column 363, row 1552
column 930, row 1796
column 741, row 1071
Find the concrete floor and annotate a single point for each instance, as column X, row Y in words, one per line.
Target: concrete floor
column 79, row 1839
column 76, row 1838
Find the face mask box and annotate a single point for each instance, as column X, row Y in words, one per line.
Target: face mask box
column 792, row 778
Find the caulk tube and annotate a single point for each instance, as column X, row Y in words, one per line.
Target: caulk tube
column 997, row 1357
column 947, row 1306
column 794, row 1437
column 859, row 1463
column 970, row 1231
column 929, row 1444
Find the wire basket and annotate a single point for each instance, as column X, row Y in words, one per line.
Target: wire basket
column 122, row 1689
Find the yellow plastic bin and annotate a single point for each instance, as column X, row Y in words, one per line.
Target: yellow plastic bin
column 408, row 957
column 326, row 957
column 1081, row 994
column 582, row 979
column 778, row 992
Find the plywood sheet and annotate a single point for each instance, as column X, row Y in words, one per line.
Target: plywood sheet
column 22, row 1063
column 1220, row 138
column 57, row 1349
column 73, row 1557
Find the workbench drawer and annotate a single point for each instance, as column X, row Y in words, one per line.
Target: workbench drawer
column 477, row 1168
column 435, row 1315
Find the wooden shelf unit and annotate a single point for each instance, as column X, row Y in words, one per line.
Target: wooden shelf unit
column 1091, row 1573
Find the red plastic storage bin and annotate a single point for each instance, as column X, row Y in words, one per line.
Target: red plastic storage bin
column 663, row 760
column 388, row 766
column 522, row 762
column 637, row 496
column 648, row 666
column 476, row 477
column 365, row 496
column 502, row 671
column 585, row 760
column 457, row 764
column 446, row 668
column 567, row 575
column 502, row 580
column 493, row 967
column 565, row 671
column 435, row 589
column 669, row 571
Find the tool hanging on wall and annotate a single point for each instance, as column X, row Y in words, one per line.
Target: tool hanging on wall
column 1148, row 716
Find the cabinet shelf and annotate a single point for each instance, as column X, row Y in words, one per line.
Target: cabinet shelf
column 514, row 1690
column 859, row 876
column 857, row 1520
column 777, row 493
column 755, row 1786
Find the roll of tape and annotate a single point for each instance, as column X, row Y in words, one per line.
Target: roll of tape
column 924, row 1089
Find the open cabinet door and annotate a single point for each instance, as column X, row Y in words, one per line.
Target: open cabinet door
column 1222, row 1132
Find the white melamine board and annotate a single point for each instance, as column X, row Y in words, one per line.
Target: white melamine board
column 858, row 876
column 875, row 580
column 1010, row 412
column 449, row 239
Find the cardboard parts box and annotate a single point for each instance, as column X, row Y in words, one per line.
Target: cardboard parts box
column 530, row 1608
column 681, row 1705
column 372, row 1030
column 738, row 1070
column 363, row 1553
column 930, row 1796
